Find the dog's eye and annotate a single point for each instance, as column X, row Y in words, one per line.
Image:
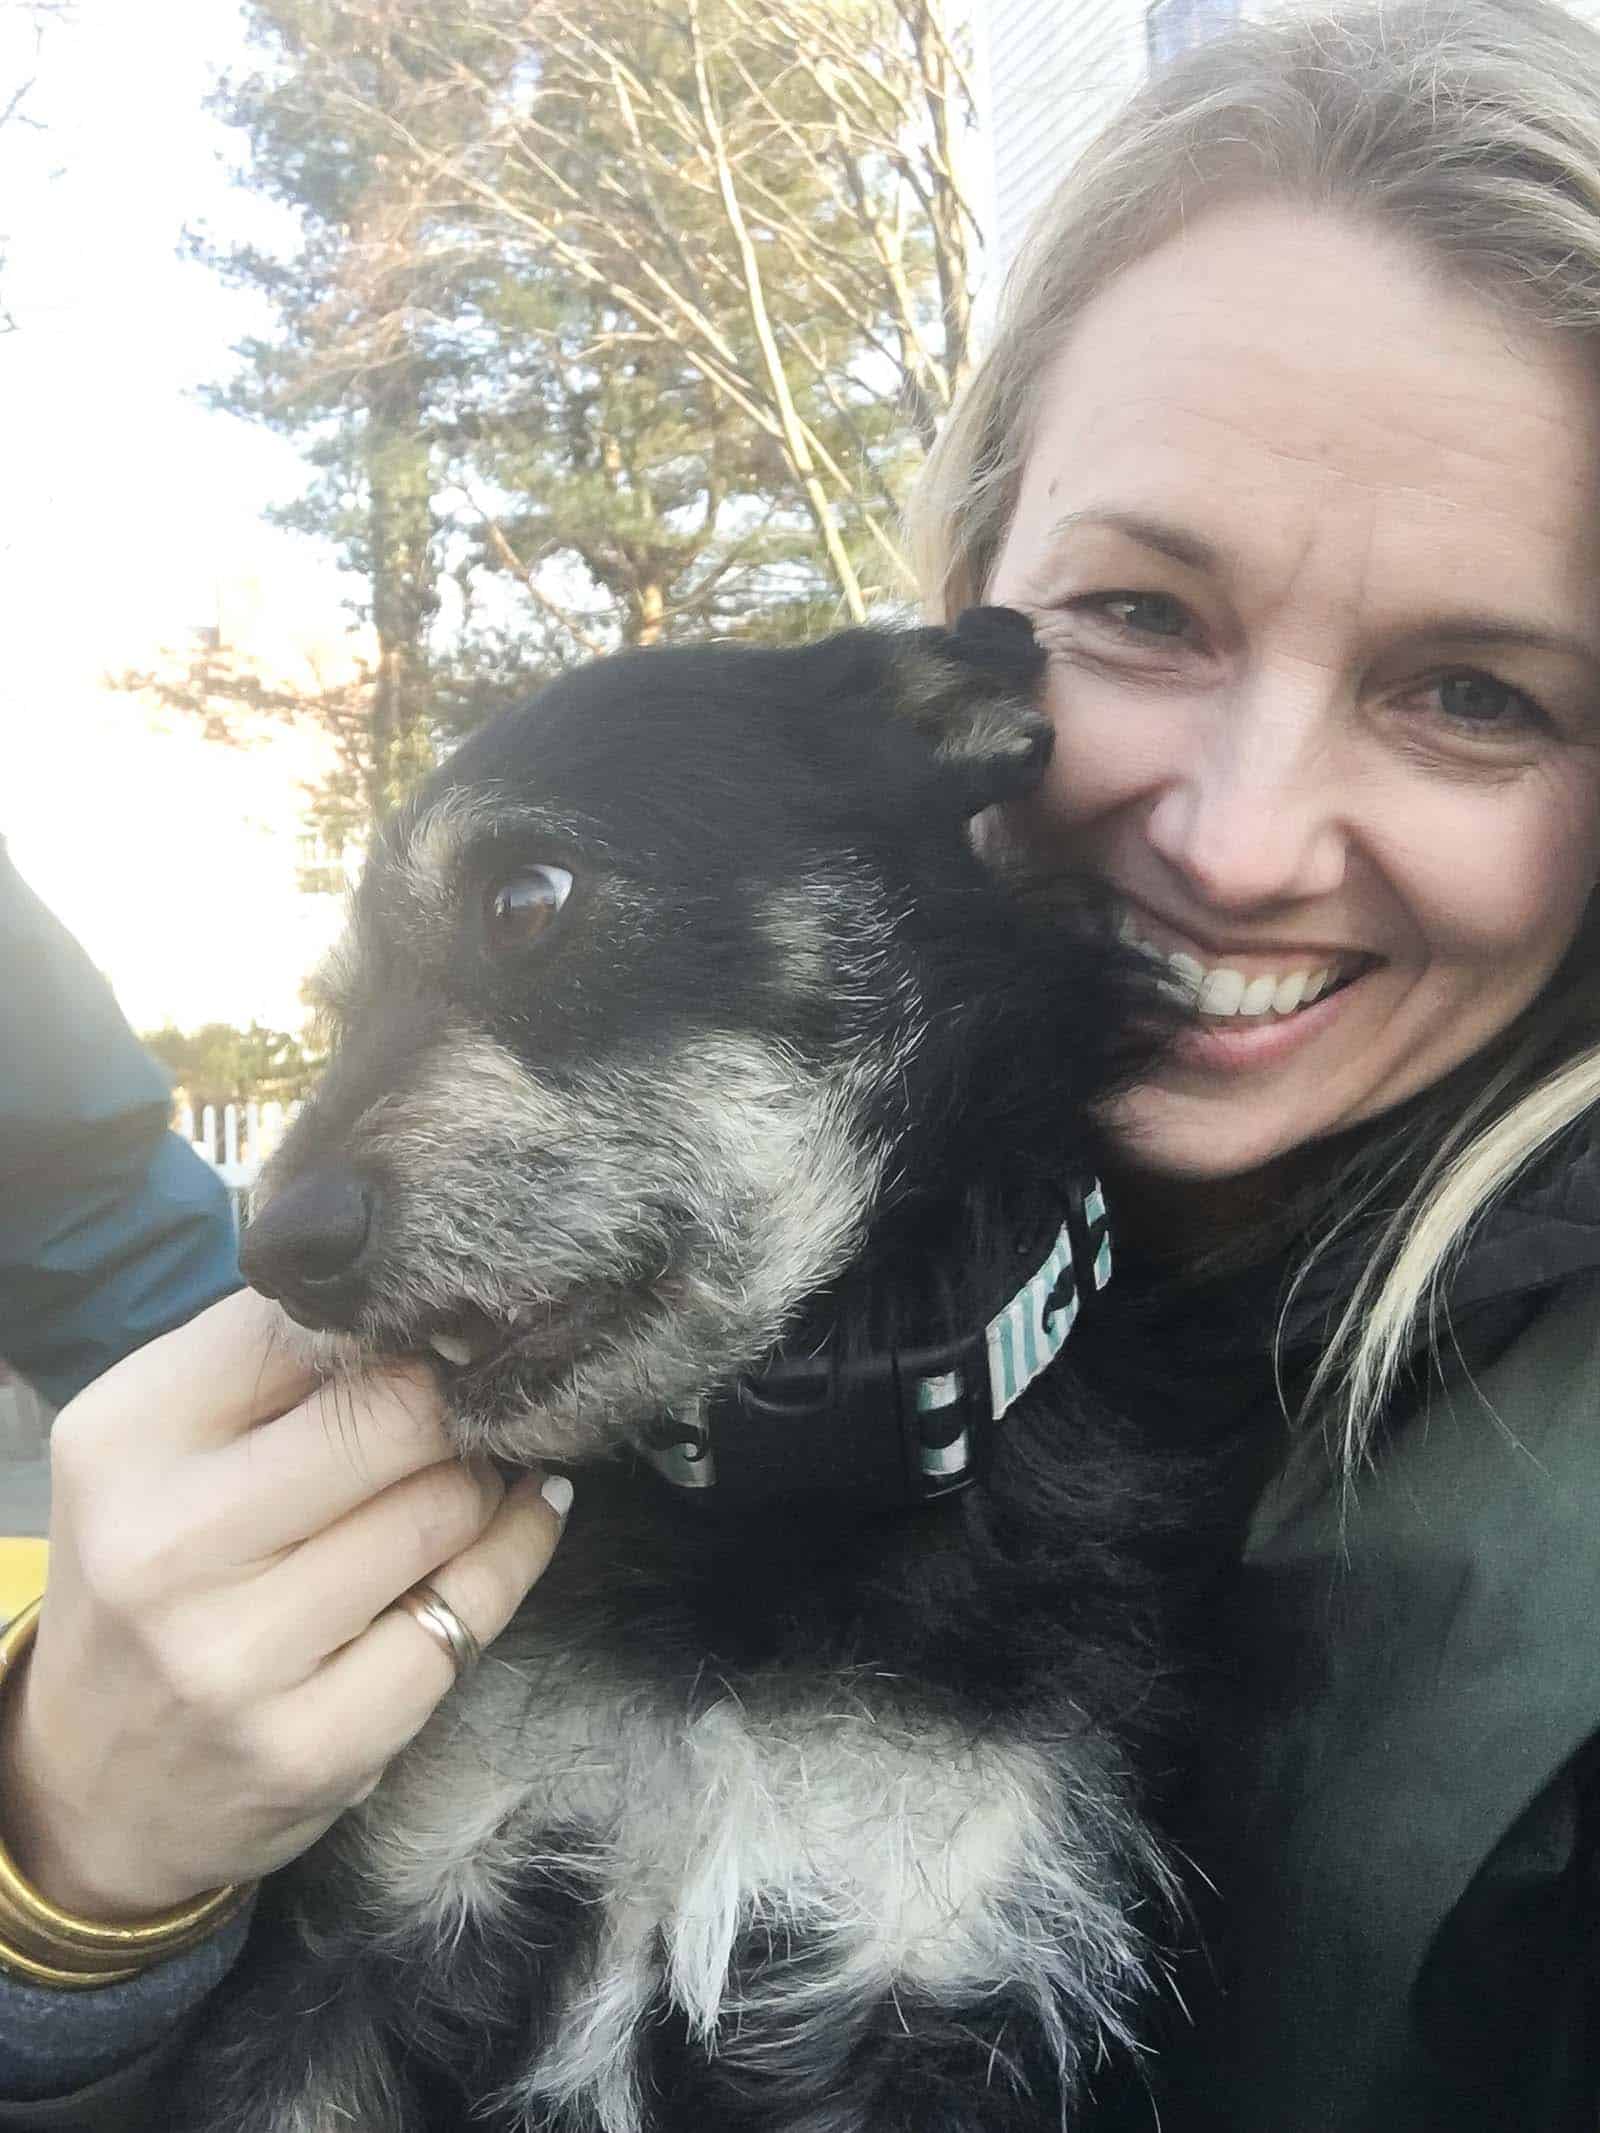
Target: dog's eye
column 518, row 910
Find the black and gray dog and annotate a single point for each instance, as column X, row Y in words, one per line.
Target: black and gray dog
column 724, row 1121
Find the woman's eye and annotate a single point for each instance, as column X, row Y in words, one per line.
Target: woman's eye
column 1479, row 703
column 520, row 908
column 1139, row 614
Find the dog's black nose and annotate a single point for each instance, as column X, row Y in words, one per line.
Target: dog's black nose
column 304, row 1248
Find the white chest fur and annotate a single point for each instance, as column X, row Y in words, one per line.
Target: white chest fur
column 894, row 1850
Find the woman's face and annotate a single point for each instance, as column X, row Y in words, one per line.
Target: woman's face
column 1312, row 541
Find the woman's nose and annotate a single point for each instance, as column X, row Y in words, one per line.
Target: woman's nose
column 1254, row 814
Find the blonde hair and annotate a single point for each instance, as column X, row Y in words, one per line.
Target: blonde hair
column 1471, row 128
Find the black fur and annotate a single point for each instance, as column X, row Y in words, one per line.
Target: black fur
column 961, row 1022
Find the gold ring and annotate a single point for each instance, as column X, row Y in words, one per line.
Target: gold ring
column 435, row 1614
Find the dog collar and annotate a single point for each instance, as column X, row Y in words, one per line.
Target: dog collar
column 892, row 1426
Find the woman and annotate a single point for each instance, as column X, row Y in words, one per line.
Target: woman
column 1290, row 443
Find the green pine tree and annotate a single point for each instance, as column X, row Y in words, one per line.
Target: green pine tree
column 600, row 329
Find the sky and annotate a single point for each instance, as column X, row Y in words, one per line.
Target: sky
column 126, row 510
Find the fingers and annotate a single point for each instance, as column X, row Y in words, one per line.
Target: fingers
column 331, row 1588
column 236, row 1365
column 351, row 1440
column 394, row 1673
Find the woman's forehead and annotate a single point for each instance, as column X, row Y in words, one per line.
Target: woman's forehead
column 1280, row 377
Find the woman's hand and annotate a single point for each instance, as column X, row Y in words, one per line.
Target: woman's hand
column 216, row 1676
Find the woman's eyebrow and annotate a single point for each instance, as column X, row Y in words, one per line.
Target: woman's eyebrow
column 1483, row 631
column 1175, row 542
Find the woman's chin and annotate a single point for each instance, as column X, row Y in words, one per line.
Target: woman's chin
column 1156, row 1136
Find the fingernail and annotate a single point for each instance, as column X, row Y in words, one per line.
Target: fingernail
column 557, row 1493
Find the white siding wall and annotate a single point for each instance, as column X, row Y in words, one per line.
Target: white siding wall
column 1056, row 70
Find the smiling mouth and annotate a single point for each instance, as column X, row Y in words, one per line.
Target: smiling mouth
column 1220, row 992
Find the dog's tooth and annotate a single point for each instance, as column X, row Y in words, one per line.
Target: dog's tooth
column 1288, row 995
column 451, row 1346
column 1317, row 984
column 1187, row 974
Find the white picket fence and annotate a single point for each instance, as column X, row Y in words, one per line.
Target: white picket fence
column 236, row 1142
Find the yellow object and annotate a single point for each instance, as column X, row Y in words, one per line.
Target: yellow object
column 22, row 1565
column 49, row 1946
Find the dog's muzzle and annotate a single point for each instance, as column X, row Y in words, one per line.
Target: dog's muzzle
column 307, row 1246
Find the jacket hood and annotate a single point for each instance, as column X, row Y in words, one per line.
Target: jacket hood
column 1542, row 1231
column 1545, row 1229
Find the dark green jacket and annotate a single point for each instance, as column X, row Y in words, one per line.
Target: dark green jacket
column 1404, row 1802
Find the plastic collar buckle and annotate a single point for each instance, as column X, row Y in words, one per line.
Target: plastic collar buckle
column 816, row 1425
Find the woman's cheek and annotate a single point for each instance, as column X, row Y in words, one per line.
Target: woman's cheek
column 1494, row 876
column 1110, row 749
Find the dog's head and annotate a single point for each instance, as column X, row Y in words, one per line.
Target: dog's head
column 632, row 1016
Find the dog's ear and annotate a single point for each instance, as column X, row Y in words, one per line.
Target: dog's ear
column 972, row 693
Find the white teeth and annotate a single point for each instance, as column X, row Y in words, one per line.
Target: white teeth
column 1259, row 995
column 451, row 1346
column 1221, row 993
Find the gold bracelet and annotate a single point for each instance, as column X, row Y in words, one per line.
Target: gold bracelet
column 48, row 1946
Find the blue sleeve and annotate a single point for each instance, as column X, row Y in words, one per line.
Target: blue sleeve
column 54, row 2043
column 112, row 1229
